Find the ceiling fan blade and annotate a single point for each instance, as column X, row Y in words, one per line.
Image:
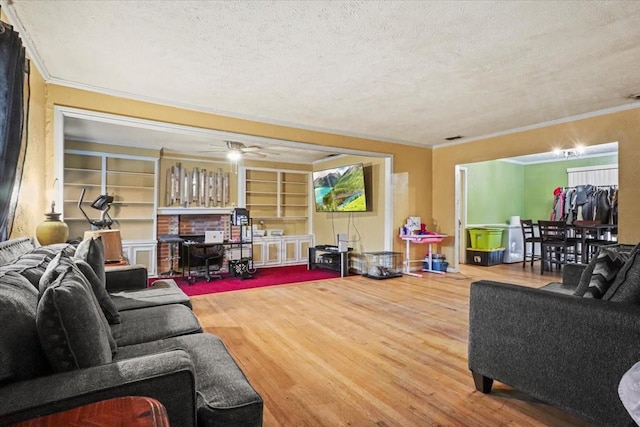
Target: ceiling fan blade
column 212, row 151
column 253, row 154
column 250, row 149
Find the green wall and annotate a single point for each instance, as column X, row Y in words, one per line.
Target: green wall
column 540, row 180
column 494, row 192
column 497, row 190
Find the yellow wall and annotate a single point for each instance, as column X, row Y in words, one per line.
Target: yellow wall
column 414, row 162
column 423, row 179
column 37, row 175
column 363, row 229
column 623, row 127
column 412, row 187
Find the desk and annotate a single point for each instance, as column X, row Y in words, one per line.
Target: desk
column 429, row 239
column 121, row 411
column 242, row 268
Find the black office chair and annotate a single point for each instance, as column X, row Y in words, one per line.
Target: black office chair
column 213, row 256
column 557, row 246
column 529, row 236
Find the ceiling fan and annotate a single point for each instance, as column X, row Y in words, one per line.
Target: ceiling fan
column 237, row 150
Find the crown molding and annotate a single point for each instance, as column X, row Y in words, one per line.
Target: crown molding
column 540, row 125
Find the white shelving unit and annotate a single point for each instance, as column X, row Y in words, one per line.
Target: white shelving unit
column 275, row 194
column 131, row 180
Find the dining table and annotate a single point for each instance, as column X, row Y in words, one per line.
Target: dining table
column 602, row 233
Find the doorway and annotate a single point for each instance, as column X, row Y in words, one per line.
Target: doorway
column 461, row 217
column 491, row 192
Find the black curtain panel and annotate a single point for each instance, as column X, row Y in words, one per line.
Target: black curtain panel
column 12, row 147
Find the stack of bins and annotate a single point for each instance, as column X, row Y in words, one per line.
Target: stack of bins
column 485, row 246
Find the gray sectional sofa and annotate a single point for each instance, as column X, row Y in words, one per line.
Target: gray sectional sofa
column 563, row 349
column 73, row 332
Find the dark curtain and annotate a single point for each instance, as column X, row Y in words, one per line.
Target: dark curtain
column 12, row 148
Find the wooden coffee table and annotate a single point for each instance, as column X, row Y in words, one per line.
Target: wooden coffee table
column 118, row 412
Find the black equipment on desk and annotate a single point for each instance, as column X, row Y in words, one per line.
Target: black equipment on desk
column 240, row 216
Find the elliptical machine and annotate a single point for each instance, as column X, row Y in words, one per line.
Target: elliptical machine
column 103, row 204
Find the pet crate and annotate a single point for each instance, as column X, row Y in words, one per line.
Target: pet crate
column 382, row 265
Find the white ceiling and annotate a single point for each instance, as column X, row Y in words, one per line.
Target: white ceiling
column 197, row 142
column 600, row 150
column 401, row 71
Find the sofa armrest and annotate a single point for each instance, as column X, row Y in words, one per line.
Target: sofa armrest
column 126, row 277
column 168, row 377
column 562, row 349
column 571, row 274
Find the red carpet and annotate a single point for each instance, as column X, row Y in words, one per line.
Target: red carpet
column 263, row 277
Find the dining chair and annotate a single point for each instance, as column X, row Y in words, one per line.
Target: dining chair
column 557, row 247
column 591, row 238
column 529, row 236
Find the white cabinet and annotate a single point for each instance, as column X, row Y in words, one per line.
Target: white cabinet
column 272, row 254
column 285, row 250
column 141, row 252
column 295, row 249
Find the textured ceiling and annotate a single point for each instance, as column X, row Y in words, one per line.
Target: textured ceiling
column 413, row 72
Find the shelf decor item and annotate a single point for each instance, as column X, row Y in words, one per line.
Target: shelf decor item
column 52, row 230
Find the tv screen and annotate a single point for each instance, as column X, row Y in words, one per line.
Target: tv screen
column 340, row 189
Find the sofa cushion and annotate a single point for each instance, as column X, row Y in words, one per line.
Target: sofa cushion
column 106, row 304
column 62, row 263
column 161, row 292
column 52, row 250
column 70, row 324
column 585, row 278
column 91, row 251
column 225, row 396
column 154, row 323
column 61, row 260
column 12, row 249
column 626, row 286
column 21, row 356
column 30, row 266
column 607, row 264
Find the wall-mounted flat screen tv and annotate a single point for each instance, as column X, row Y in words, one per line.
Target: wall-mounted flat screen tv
column 340, row 189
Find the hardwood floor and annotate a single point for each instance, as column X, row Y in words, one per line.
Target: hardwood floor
column 363, row 352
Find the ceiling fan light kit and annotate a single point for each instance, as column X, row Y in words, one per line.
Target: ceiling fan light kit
column 236, row 151
column 234, row 155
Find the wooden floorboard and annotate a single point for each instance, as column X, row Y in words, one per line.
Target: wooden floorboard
column 363, row 352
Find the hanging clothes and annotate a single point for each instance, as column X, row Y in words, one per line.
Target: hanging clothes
column 558, row 205
column 585, row 202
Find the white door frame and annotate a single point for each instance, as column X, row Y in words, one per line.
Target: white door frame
column 460, row 214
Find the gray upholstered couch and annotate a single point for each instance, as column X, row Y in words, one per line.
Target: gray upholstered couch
column 65, row 341
column 562, row 349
